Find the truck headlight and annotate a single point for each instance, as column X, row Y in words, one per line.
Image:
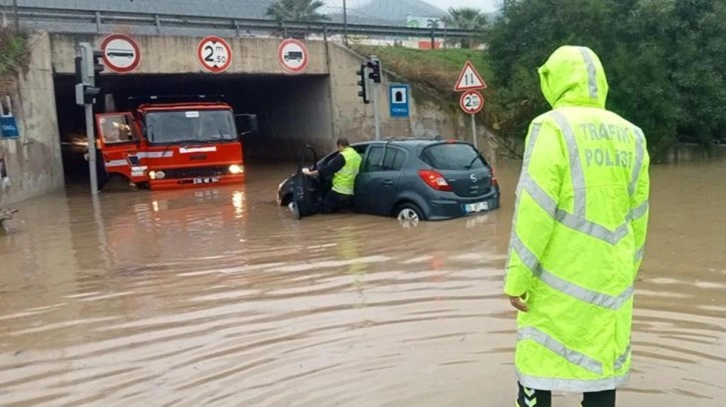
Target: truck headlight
column 156, row 174
column 236, row 169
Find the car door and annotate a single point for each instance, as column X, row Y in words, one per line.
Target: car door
column 118, row 144
column 376, row 187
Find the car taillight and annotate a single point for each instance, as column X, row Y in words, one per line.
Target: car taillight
column 493, row 181
column 434, row 180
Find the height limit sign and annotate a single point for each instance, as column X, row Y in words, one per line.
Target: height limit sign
column 471, row 102
column 214, row 54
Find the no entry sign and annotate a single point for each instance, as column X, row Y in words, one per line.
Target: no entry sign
column 214, row 54
column 292, row 55
column 120, row 53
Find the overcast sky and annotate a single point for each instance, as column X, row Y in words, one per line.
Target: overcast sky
column 483, row 5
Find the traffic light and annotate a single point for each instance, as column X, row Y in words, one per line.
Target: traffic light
column 88, row 65
column 375, row 65
column 86, row 94
column 363, row 84
column 98, row 66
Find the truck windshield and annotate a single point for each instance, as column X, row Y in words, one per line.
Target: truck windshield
column 190, row 126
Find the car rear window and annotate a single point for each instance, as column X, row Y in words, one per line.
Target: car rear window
column 452, row 156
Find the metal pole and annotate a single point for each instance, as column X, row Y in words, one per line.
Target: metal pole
column 473, row 130
column 345, row 23
column 90, row 135
column 374, row 96
column 15, row 14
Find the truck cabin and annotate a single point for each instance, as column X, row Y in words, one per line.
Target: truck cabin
column 187, row 123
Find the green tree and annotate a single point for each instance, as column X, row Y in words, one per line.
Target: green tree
column 467, row 18
column 663, row 58
column 297, row 11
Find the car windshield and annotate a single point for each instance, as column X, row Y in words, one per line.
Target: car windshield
column 190, row 126
column 452, row 156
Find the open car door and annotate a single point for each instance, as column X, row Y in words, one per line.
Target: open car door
column 119, row 143
column 306, row 190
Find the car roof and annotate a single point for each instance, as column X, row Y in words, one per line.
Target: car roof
column 410, row 142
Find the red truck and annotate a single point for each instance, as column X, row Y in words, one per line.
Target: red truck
column 173, row 144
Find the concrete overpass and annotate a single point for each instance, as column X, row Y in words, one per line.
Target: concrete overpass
column 313, row 106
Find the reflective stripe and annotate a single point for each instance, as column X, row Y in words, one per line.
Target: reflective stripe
column 574, row 222
column 530, row 145
column 572, row 356
column 640, row 211
column 564, row 286
column 573, row 385
column 155, row 154
column 593, row 229
column 578, row 175
column 524, row 175
column 639, row 153
column 639, row 254
column 116, row 163
column 620, row 361
column 528, row 156
column 591, row 71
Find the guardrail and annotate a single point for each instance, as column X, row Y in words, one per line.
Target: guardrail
column 99, row 19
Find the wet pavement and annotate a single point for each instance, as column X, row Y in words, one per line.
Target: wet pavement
column 218, row 297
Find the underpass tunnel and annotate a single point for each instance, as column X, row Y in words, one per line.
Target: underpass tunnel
column 291, row 110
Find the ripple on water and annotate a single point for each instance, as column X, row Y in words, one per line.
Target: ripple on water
column 221, row 299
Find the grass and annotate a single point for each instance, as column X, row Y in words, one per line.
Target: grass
column 437, row 69
column 13, row 51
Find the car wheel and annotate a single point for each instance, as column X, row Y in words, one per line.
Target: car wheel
column 408, row 215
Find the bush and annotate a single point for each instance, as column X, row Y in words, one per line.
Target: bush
column 14, row 53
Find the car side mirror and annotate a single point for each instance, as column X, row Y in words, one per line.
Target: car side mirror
column 246, row 124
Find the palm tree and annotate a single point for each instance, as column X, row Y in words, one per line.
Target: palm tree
column 299, row 11
column 466, row 18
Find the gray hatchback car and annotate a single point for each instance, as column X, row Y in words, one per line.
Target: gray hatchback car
column 417, row 179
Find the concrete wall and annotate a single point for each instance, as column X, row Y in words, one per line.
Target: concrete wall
column 430, row 116
column 299, row 120
column 292, row 113
column 34, row 159
column 178, row 54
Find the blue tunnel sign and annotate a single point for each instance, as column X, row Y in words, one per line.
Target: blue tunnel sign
column 398, row 99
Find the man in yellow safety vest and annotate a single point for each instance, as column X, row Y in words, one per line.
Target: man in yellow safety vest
column 344, row 169
column 577, row 238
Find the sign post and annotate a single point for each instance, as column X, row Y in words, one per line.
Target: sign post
column 471, row 101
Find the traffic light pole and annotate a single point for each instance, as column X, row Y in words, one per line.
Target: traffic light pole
column 87, row 65
column 374, row 96
column 91, row 137
column 369, row 76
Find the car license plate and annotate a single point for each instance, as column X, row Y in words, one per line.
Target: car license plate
column 476, row 207
column 206, row 180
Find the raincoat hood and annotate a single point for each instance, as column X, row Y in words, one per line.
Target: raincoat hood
column 573, row 76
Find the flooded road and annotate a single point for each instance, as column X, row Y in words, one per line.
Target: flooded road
column 218, row 297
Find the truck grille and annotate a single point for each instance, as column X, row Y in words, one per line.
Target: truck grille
column 196, row 172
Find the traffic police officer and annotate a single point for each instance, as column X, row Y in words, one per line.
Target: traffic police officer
column 577, row 237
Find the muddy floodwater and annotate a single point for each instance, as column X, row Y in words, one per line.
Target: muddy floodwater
column 217, row 297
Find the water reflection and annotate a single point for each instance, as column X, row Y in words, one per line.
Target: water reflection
column 219, row 297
